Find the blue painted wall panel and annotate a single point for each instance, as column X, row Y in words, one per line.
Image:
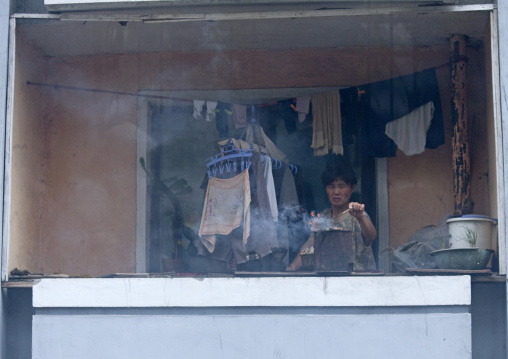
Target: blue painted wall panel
column 383, row 335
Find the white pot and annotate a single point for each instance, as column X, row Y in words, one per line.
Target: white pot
column 483, row 225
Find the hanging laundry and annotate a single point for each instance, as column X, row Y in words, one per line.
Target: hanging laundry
column 198, row 109
column 256, row 139
column 239, row 115
column 289, row 115
column 388, row 100
column 223, row 112
column 270, row 189
column 327, row 132
column 288, row 196
column 228, row 248
column 302, row 107
column 264, row 212
column 268, row 116
column 256, row 134
column 410, row 132
column 226, row 207
column 210, row 110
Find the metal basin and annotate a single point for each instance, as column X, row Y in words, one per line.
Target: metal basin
column 462, row 258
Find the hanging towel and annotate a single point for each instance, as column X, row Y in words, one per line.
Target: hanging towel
column 327, row 132
column 226, row 207
column 410, row 132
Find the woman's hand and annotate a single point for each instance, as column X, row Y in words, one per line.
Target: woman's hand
column 368, row 230
column 356, row 209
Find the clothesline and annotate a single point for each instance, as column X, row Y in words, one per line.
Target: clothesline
column 95, row 90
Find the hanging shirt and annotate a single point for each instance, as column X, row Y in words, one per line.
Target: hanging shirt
column 263, row 235
column 410, row 132
column 226, row 207
column 385, row 101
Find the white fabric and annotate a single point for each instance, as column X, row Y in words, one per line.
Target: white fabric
column 410, row 132
column 210, row 110
column 326, row 125
column 226, row 207
column 270, row 189
column 302, row 107
column 198, row 108
column 239, row 115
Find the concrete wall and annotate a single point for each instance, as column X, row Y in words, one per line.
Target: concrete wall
column 252, row 334
column 426, row 317
column 488, row 323
column 18, row 319
column 488, row 318
column 29, row 166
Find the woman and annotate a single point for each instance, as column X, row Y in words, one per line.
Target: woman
column 339, row 180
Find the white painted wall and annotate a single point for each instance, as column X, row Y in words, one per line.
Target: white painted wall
column 374, row 291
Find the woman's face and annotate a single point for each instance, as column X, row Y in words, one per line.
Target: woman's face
column 339, row 193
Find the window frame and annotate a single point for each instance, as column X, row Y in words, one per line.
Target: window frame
column 142, row 145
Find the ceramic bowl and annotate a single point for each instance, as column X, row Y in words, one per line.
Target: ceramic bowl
column 462, row 258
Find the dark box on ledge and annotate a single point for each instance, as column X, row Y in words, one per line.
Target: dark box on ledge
column 333, row 251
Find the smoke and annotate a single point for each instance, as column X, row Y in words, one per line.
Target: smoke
column 298, row 224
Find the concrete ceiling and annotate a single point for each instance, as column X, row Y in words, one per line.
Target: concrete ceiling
column 89, row 34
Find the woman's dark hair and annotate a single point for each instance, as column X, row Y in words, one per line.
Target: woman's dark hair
column 338, row 167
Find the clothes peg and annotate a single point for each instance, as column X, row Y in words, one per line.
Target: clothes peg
column 360, row 93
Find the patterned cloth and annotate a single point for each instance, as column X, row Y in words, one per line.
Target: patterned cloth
column 226, row 207
column 364, row 258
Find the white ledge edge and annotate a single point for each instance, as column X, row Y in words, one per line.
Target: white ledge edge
column 253, row 292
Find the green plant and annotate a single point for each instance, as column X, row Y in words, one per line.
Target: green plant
column 470, row 235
